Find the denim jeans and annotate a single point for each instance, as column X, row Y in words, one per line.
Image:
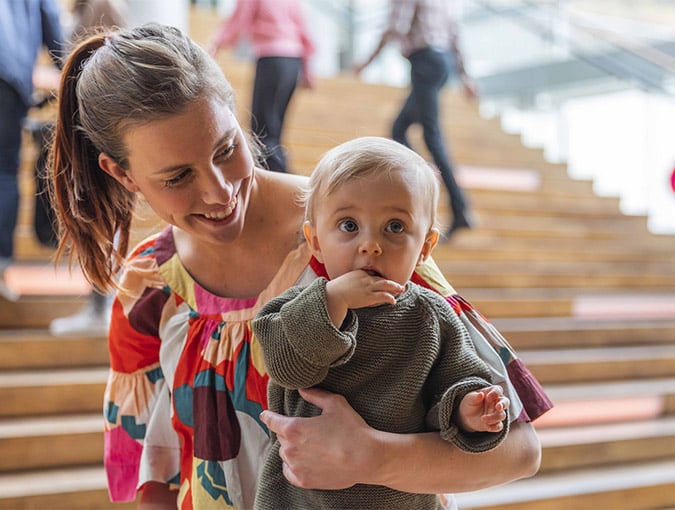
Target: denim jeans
column 12, row 113
column 429, row 71
column 275, row 81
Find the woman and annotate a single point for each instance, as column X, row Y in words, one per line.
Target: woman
column 146, row 111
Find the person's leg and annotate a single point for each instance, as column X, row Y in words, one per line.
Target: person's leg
column 12, row 113
column 405, row 118
column 276, row 79
column 429, row 71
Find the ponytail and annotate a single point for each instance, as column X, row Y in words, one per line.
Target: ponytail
column 92, row 208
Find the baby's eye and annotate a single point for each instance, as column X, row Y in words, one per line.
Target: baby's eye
column 395, row 227
column 348, row 226
column 178, row 179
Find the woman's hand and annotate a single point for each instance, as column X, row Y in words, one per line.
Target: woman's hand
column 324, row 451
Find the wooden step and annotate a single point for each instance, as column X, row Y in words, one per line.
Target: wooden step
column 572, row 447
column 470, row 246
column 481, row 239
column 558, row 275
column 36, row 348
column 588, row 303
column 38, row 311
column 544, row 222
column 565, row 206
column 70, row 488
column 559, row 332
column 608, row 402
column 50, row 392
column 56, row 441
column 624, row 486
column 557, row 366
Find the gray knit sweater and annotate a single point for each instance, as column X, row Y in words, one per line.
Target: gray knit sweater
column 404, row 368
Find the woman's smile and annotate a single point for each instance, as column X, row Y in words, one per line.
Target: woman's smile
column 223, row 213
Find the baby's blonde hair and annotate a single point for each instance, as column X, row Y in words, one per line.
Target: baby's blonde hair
column 363, row 157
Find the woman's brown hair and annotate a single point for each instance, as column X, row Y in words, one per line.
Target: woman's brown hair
column 111, row 82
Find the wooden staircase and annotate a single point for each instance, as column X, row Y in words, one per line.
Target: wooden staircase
column 585, row 294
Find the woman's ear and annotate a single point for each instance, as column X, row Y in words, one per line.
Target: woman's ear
column 114, row 170
column 312, row 240
column 430, row 242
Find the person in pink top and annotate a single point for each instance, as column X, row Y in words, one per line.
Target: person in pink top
column 282, row 46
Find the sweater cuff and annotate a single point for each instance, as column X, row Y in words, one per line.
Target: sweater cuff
column 311, row 332
column 472, row 442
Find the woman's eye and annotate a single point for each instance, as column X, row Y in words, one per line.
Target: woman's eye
column 395, row 227
column 227, row 151
column 178, row 179
column 348, row 226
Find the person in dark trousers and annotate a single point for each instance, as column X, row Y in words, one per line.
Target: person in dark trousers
column 25, row 28
column 282, row 46
column 428, row 38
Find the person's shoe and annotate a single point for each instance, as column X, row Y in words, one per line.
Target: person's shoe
column 460, row 221
column 87, row 322
column 6, row 292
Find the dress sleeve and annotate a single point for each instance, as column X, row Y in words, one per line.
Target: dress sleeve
column 527, row 396
column 458, row 371
column 136, row 398
column 298, row 339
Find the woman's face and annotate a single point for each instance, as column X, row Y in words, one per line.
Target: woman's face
column 194, row 169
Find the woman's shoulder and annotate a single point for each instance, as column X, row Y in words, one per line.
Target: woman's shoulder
column 282, row 194
column 289, row 182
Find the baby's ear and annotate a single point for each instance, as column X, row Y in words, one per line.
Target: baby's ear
column 312, row 240
column 430, row 242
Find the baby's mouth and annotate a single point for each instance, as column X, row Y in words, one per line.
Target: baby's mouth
column 372, row 272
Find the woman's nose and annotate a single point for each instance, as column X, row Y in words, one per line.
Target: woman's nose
column 215, row 189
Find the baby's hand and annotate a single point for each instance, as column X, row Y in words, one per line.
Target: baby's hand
column 358, row 289
column 483, row 410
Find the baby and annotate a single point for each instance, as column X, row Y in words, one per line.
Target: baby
column 395, row 350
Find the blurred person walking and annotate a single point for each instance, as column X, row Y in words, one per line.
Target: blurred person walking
column 427, row 37
column 25, row 28
column 282, row 46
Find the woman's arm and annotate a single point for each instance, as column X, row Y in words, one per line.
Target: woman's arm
column 338, row 449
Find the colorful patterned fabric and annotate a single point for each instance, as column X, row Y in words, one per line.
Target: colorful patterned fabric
column 187, row 381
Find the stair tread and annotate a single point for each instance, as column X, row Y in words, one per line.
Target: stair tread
column 58, row 377
column 592, row 354
column 575, row 324
column 579, row 482
column 611, row 389
column 606, row 432
column 52, row 481
column 51, row 426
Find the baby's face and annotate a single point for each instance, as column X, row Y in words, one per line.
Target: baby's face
column 379, row 223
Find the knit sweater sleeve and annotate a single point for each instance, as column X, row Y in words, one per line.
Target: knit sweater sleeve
column 299, row 342
column 458, row 371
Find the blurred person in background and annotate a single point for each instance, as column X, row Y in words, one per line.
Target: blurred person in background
column 26, row 27
column 427, row 37
column 282, row 46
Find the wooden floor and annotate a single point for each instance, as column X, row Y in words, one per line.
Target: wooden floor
column 585, row 294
